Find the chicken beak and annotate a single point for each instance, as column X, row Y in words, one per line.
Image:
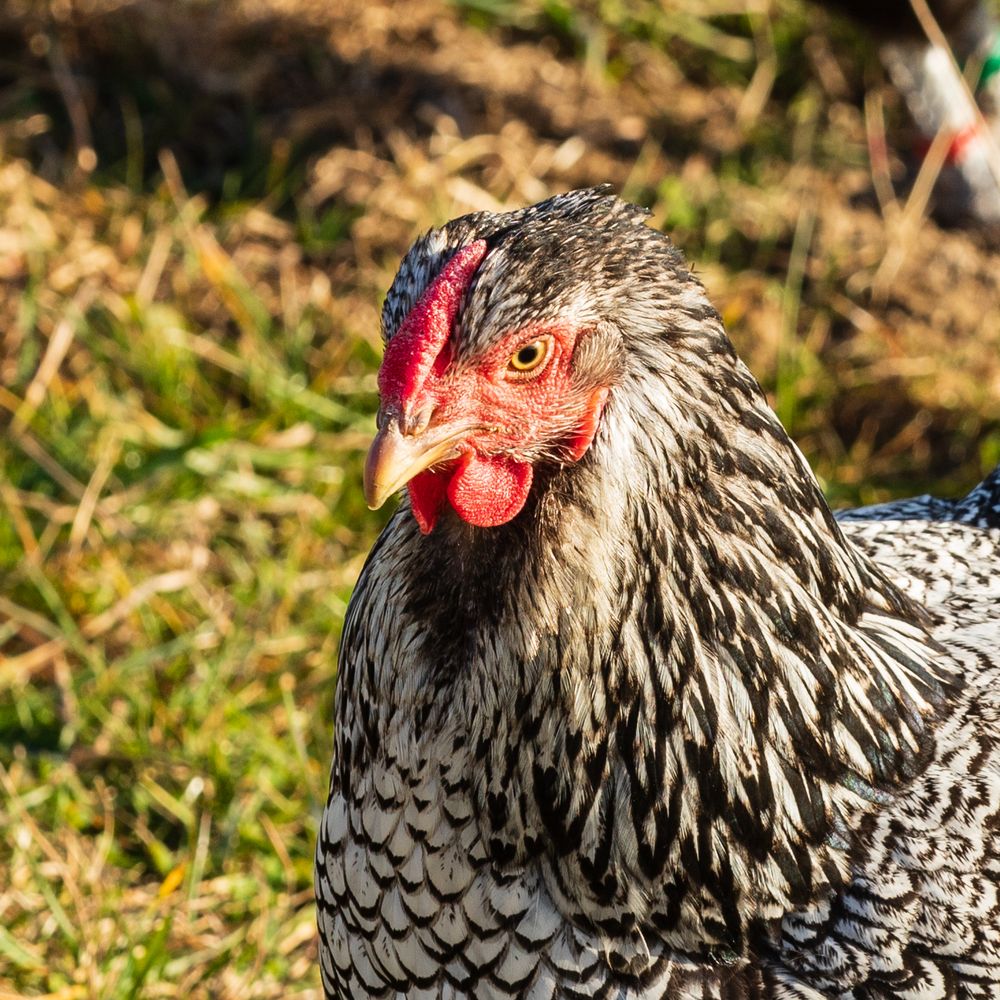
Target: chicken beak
column 395, row 457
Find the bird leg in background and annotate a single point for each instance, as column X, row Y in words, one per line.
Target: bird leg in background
column 968, row 188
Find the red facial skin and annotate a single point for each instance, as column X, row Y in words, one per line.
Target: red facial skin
column 513, row 416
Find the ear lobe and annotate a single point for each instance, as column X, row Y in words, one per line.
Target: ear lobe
column 579, row 444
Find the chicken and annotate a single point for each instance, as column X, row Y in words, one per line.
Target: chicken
column 623, row 710
column 925, row 73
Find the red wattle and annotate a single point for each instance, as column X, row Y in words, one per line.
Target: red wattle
column 487, row 491
column 428, row 492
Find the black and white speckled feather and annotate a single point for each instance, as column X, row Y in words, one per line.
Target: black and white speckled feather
column 674, row 731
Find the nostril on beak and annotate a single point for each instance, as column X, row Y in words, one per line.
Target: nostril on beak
column 393, row 413
column 417, row 421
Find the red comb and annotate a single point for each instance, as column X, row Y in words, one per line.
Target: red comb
column 410, row 355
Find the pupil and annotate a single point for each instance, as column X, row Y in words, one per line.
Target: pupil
column 527, row 354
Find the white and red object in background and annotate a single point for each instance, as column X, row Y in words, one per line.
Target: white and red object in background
column 931, row 82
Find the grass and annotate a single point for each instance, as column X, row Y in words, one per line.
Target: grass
column 202, row 205
column 180, row 533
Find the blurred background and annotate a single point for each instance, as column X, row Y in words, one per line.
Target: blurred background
column 201, row 206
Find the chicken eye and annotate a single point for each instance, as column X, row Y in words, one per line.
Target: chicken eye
column 530, row 356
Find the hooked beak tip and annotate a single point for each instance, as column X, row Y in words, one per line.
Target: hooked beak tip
column 379, row 463
column 394, row 458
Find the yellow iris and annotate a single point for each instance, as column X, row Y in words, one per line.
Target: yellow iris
column 529, row 356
